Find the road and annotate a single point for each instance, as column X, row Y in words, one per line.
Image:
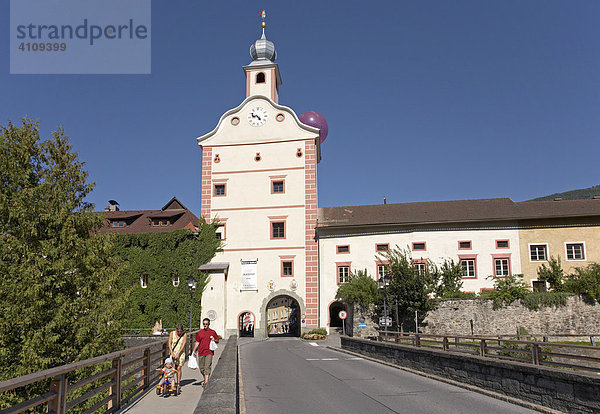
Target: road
column 290, row 375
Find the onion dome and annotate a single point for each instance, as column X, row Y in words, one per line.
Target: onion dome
column 316, row 120
column 263, row 50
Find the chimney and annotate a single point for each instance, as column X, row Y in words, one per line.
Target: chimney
column 112, row 206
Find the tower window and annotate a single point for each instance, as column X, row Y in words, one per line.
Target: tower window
column 219, row 190
column 260, row 77
column 278, row 230
column 287, row 268
column 277, row 187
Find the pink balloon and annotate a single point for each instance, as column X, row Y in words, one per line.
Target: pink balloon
column 315, row 119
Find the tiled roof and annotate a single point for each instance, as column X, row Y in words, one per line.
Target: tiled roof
column 140, row 221
column 495, row 209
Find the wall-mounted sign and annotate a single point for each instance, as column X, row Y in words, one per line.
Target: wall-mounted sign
column 271, row 285
column 249, row 275
column 293, row 284
column 211, row 314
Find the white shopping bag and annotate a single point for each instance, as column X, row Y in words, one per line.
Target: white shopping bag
column 213, row 345
column 192, row 362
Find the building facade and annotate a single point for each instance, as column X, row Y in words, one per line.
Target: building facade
column 283, row 259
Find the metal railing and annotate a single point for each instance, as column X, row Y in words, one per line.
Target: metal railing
column 572, row 356
column 131, row 370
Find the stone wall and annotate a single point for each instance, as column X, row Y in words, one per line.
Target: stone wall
column 364, row 317
column 554, row 388
column 453, row 316
column 221, row 394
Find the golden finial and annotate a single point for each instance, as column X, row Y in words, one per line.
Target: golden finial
column 263, row 25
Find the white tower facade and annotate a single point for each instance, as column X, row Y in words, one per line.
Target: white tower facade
column 259, row 181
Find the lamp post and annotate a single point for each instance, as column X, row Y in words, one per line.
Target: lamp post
column 191, row 282
column 383, row 283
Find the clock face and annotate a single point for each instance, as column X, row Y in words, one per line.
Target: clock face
column 257, row 116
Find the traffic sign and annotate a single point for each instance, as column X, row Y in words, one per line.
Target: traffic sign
column 384, row 322
column 343, row 314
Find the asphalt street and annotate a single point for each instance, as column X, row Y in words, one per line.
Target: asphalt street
column 290, row 375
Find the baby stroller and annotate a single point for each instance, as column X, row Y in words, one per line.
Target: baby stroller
column 167, row 384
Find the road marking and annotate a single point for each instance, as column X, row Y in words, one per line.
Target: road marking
column 330, row 359
column 313, row 343
column 312, row 359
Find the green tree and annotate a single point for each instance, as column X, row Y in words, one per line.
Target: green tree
column 55, row 275
column 163, row 257
column 585, row 280
column 446, row 279
column 361, row 290
column 553, row 274
column 409, row 287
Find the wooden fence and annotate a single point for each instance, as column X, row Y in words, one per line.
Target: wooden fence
column 571, row 356
column 132, row 370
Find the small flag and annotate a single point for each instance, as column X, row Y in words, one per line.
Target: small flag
column 263, row 14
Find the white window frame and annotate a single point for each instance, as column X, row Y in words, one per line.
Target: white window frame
column 501, row 265
column 583, row 252
column 474, row 260
column 345, row 276
column 537, row 244
column 421, row 267
column 381, row 270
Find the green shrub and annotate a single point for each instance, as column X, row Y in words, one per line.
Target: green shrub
column 585, row 280
column 553, row 273
column 507, row 290
column 534, row 300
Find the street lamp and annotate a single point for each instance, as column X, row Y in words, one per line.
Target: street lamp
column 191, row 282
column 384, row 282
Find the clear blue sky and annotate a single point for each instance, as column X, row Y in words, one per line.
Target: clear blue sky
column 425, row 100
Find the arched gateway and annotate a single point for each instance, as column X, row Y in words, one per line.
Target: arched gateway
column 282, row 312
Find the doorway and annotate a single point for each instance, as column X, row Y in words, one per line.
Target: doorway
column 246, row 324
column 283, row 317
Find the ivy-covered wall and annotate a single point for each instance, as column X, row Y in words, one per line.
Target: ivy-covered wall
column 162, row 256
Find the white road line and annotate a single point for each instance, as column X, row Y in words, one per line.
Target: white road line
column 313, row 359
column 313, row 343
column 330, row 359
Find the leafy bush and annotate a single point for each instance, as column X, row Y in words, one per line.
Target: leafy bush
column 508, row 289
column 460, row 295
column 533, row 300
column 446, row 279
column 553, row 273
column 360, row 290
column 163, row 256
column 585, row 280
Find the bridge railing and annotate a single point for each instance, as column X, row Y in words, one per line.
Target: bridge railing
column 122, row 375
column 573, row 356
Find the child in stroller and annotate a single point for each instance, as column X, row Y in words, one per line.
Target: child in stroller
column 168, row 383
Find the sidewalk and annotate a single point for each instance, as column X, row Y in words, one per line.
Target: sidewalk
column 186, row 402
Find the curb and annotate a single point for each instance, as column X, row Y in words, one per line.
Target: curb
column 469, row 387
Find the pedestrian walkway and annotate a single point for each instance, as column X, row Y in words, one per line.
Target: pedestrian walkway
column 186, row 402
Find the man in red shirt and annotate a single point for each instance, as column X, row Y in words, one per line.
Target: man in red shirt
column 202, row 348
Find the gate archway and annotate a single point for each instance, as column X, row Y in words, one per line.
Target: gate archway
column 334, row 310
column 283, row 316
column 246, row 322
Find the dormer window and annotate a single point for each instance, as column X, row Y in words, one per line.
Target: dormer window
column 160, row 222
column 260, row 77
column 117, row 223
